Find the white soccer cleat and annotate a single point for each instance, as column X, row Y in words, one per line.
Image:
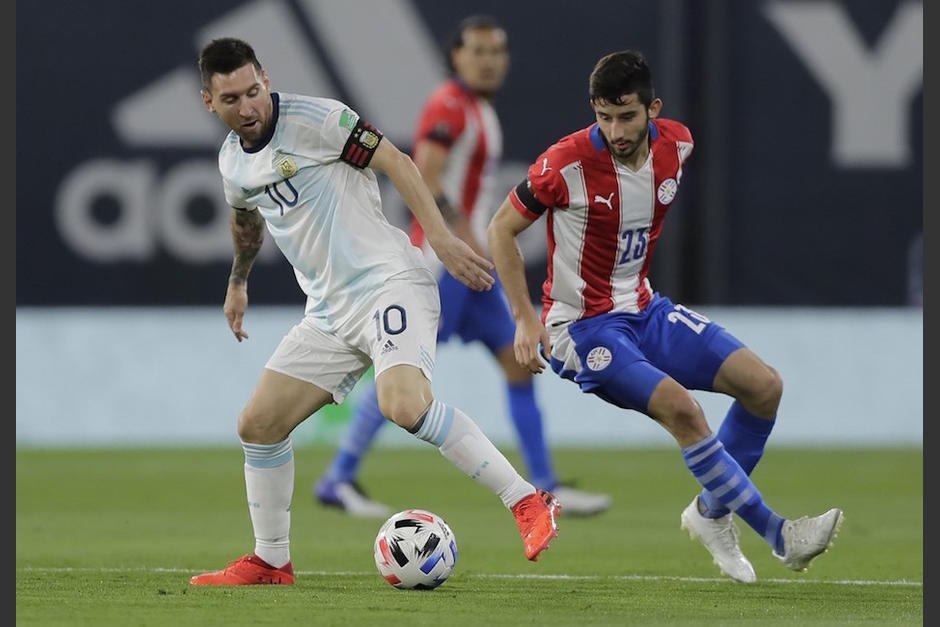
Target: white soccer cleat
column 580, row 503
column 805, row 538
column 720, row 537
column 350, row 498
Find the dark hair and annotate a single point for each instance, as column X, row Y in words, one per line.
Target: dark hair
column 473, row 22
column 224, row 56
column 621, row 73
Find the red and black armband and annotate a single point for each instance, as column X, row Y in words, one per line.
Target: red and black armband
column 361, row 144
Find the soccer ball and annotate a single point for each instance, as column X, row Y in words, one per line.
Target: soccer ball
column 415, row 550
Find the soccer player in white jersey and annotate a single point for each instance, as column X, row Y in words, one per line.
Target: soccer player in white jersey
column 605, row 191
column 301, row 166
column 457, row 148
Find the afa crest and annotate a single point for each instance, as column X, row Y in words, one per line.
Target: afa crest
column 369, row 139
column 286, row 167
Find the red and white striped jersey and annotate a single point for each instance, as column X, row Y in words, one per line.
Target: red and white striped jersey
column 468, row 127
column 603, row 219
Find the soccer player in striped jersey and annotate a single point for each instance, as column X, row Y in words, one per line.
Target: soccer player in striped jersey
column 605, row 191
column 303, row 167
column 457, row 148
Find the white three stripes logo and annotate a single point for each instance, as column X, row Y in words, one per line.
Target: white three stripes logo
column 168, row 112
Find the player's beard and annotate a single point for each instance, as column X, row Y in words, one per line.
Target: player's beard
column 625, row 155
column 250, row 137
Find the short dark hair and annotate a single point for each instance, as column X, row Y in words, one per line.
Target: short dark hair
column 472, row 22
column 224, row 56
column 620, row 73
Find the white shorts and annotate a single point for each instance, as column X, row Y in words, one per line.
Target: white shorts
column 398, row 326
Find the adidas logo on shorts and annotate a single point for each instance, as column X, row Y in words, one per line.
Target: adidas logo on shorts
column 388, row 347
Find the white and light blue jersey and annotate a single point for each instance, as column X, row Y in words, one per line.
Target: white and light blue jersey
column 322, row 206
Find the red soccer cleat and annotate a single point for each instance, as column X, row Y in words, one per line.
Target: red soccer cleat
column 535, row 517
column 248, row 570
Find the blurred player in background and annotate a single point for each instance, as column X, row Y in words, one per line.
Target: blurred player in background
column 303, row 167
column 457, row 148
column 605, row 191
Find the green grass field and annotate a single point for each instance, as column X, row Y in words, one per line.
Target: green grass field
column 111, row 538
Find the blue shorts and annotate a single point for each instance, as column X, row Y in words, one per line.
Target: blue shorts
column 475, row 316
column 624, row 356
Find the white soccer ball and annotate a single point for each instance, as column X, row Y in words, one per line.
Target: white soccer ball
column 415, row 550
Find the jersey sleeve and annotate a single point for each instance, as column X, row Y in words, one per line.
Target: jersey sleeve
column 347, row 137
column 681, row 135
column 442, row 121
column 543, row 188
column 234, row 196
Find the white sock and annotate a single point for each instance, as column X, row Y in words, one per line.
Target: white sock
column 460, row 440
column 269, row 483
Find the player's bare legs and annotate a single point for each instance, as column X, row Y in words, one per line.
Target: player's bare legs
column 405, row 398
column 677, row 410
column 527, row 419
column 756, row 388
column 404, row 394
column 278, row 404
column 514, row 372
column 753, row 383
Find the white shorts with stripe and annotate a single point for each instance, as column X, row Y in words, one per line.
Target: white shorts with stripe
column 397, row 326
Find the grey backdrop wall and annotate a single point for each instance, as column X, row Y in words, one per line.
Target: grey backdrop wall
column 805, row 186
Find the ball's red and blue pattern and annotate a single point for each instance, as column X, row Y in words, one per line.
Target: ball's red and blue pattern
column 415, row 550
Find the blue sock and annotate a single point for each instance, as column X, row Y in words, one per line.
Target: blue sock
column 362, row 429
column 717, row 471
column 528, row 422
column 743, row 435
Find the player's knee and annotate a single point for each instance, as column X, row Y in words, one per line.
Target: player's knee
column 686, row 411
column 256, row 428
column 514, row 372
column 401, row 408
column 766, row 393
column 681, row 414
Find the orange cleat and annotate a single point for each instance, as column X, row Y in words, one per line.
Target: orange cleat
column 535, row 517
column 248, row 570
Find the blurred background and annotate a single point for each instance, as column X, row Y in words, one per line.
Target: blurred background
column 798, row 226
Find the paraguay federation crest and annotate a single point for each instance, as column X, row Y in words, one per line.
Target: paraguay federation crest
column 667, row 191
column 286, row 167
column 599, row 358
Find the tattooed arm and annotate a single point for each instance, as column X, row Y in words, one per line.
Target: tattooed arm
column 247, row 237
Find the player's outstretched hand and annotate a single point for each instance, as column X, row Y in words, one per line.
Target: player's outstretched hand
column 530, row 332
column 465, row 265
column 236, row 302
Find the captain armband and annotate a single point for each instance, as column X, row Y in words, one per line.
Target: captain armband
column 361, row 145
column 527, row 198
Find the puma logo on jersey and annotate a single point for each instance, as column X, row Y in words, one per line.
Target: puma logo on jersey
column 607, row 201
column 545, row 166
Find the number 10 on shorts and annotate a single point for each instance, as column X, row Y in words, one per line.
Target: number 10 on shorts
column 393, row 320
